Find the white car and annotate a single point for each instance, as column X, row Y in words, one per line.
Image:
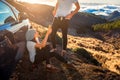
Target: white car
column 10, row 18
column 13, row 21
column 13, row 25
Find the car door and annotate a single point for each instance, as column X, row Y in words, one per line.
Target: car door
column 9, row 20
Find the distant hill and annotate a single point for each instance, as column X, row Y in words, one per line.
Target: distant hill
column 113, row 16
column 84, row 21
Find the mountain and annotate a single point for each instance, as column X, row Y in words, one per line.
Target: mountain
column 113, row 16
column 83, row 21
column 86, row 19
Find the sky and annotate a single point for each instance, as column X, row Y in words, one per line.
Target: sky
column 100, row 1
column 81, row 1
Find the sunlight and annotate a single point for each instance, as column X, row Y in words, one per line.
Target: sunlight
column 29, row 1
column 81, row 1
column 48, row 2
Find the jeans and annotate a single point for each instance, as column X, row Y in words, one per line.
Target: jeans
column 20, row 51
column 63, row 25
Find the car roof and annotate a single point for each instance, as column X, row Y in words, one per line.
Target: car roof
column 7, row 3
column 6, row 26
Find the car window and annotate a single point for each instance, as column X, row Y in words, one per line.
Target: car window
column 6, row 14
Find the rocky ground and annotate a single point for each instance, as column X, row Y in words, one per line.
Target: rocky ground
column 92, row 58
column 106, row 52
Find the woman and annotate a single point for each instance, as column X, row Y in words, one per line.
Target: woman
column 39, row 52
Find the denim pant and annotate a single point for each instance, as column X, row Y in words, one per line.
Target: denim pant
column 63, row 25
column 20, row 51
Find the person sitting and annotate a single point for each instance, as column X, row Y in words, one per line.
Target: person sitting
column 39, row 52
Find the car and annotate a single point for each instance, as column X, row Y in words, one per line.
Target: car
column 13, row 26
column 12, row 20
column 9, row 16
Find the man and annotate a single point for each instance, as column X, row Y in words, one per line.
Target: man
column 62, row 13
column 39, row 52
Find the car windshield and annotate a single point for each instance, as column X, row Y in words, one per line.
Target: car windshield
column 6, row 14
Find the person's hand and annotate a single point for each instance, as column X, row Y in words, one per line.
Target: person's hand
column 36, row 35
column 69, row 16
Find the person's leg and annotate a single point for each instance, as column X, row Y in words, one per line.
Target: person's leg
column 20, row 51
column 53, row 34
column 44, row 55
column 64, row 29
column 41, row 55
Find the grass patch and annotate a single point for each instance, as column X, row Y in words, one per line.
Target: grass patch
column 88, row 58
column 107, row 26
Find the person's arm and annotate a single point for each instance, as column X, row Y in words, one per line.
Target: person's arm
column 55, row 9
column 69, row 16
column 36, row 36
column 43, row 44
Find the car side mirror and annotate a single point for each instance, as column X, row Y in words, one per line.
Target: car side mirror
column 22, row 16
column 9, row 19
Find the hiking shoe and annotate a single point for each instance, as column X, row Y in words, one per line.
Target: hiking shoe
column 53, row 50
column 70, row 65
column 64, row 52
column 52, row 68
